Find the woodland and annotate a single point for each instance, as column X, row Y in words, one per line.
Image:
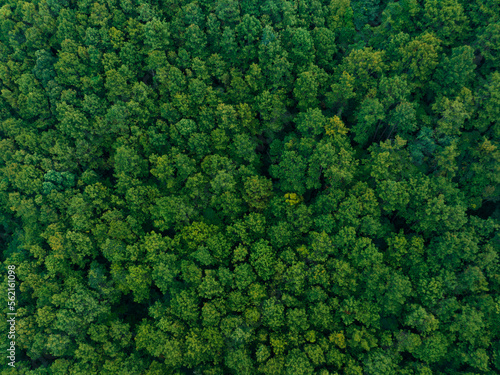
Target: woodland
column 277, row 187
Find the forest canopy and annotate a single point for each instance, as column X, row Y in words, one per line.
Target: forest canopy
column 278, row 187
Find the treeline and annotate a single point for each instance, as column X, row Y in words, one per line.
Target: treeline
column 251, row 187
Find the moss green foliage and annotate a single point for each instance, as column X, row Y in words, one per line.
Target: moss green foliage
column 275, row 187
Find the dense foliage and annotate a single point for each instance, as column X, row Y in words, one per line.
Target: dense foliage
column 251, row 187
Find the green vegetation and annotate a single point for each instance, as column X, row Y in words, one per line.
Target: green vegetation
column 276, row 187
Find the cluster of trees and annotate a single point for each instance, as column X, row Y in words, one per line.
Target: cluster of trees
column 251, row 187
